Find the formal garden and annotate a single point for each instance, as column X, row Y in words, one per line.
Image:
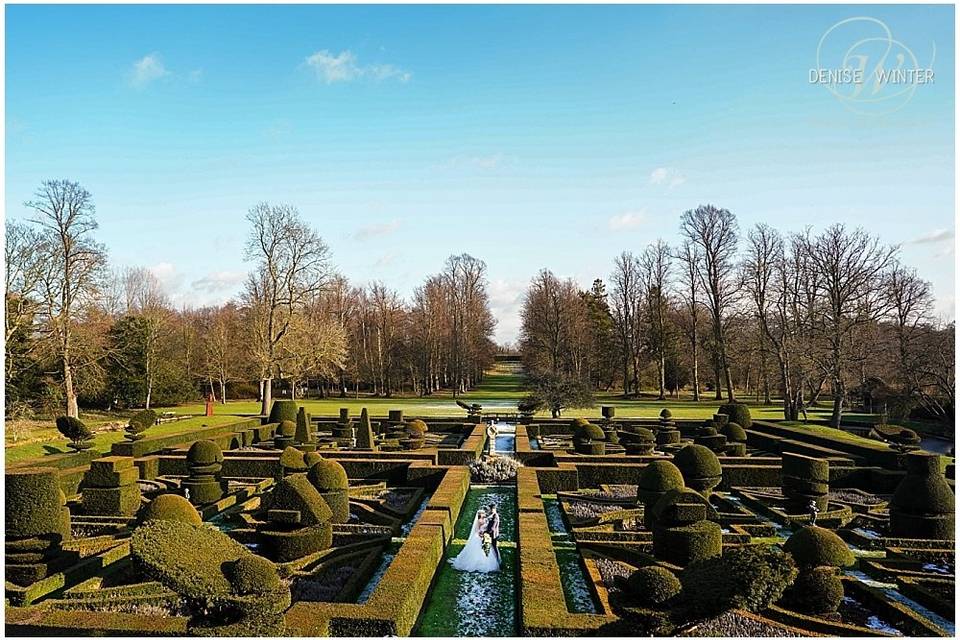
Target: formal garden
column 344, row 524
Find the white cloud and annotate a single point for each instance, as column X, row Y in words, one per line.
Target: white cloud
column 377, row 230
column 940, row 235
column 506, row 301
column 344, row 67
column 667, row 176
column 223, row 283
column 147, row 69
column 627, row 220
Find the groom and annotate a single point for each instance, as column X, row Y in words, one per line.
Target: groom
column 493, row 528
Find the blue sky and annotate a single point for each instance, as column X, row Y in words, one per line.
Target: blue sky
column 529, row 136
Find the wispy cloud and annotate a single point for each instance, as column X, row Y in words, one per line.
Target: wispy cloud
column 344, row 67
column 666, row 176
column 218, row 282
column 377, row 230
column 146, row 70
column 940, row 235
column 627, row 220
column 385, row 260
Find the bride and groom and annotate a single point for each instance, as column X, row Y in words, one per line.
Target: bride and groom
column 481, row 552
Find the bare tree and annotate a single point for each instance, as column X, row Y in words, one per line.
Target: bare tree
column 291, row 268
column 689, row 256
column 27, row 264
column 848, row 293
column 627, row 295
column 65, row 212
column 714, row 232
column 655, row 271
column 146, row 299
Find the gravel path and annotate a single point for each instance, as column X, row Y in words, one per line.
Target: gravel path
column 734, row 625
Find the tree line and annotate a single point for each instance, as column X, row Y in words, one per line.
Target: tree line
column 78, row 332
column 795, row 318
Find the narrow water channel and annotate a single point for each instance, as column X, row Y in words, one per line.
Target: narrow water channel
column 463, row 603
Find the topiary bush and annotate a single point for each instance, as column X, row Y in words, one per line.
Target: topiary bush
column 738, row 412
column 734, row 432
column 76, row 432
column 284, row 410
column 749, row 577
column 655, row 480
column 253, row 574
column 292, row 461
column 682, row 545
column 817, row 591
column 203, row 453
column 814, row 546
column 653, row 586
column 303, row 433
column 139, row 423
column 34, row 504
column 170, row 506
column 700, row 467
column 417, row 428
column 330, row 479
column 923, row 505
column 666, row 414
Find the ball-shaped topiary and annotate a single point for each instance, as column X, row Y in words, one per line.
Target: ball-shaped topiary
column 707, row 431
column 253, row 574
column 284, row 410
column 75, row 431
column 328, row 475
column 666, row 414
column 578, row 423
column 700, row 467
column 816, row 591
column 417, row 428
column 738, row 412
column 287, row 428
column 814, row 546
column 170, row 506
column 657, row 478
column 653, row 586
column 592, row 432
column 203, row 453
column 734, row 432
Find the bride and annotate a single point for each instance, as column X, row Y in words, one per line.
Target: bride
column 473, row 557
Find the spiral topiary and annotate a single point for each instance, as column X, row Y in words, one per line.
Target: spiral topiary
column 814, row 546
column 738, row 412
column 170, row 506
column 700, row 467
column 253, row 574
column 653, row 586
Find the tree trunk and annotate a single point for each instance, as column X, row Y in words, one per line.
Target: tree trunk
column 73, row 410
column 266, row 386
column 223, row 391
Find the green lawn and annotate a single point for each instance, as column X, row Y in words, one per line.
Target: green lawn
column 500, row 390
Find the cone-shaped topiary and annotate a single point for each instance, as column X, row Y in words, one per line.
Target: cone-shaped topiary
column 304, row 431
column 700, row 467
column 653, row 586
column 923, row 506
column 365, row 438
column 814, row 546
column 738, row 412
column 76, row 432
column 170, row 506
column 284, row 410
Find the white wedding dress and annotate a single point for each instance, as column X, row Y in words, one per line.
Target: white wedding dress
column 472, row 556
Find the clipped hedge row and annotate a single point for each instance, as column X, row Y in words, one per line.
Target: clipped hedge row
column 228, row 432
column 46, row 621
column 451, row 492
column 554, row 479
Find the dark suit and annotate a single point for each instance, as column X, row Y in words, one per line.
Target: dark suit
column 493, row 528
